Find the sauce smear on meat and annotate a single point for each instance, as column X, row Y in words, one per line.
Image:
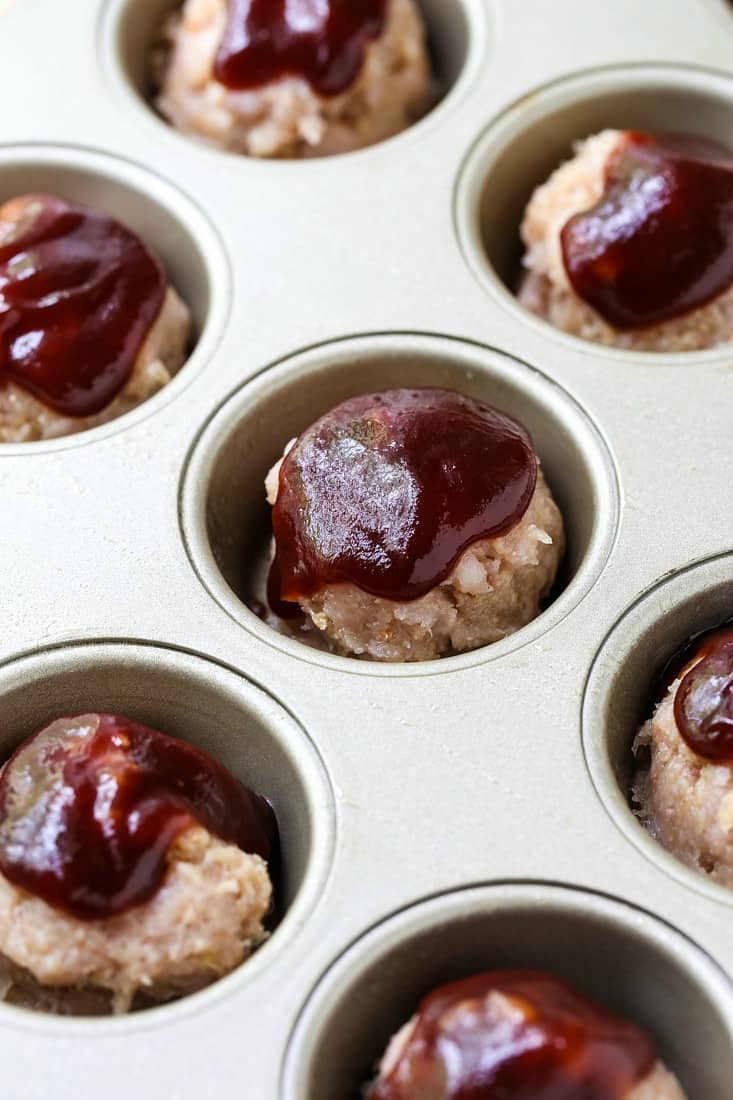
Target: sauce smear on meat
column 89, row 808
column 322, row 41
column 79, row 294
column 659, row 243
column 388, row 490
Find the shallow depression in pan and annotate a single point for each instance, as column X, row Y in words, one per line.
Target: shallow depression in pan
column 624, row 958
column 170, row 223
column 220, row 711
column 225, row 517
column 522, row 148
column 620, row 693
column 458, row 39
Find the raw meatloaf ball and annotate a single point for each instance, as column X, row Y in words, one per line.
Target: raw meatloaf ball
column 519, row 1033
column 624, row 244
column 89, row 326
column 413, row 524
column 685, row 795
column 271, row 95
column 130, row 863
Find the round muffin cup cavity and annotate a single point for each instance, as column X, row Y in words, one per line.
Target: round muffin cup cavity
column 524, row 146
column 625, row 959
column 218, row 711
column 165, row 219
column 457, row 44
column 624, row 680
column 225, row 517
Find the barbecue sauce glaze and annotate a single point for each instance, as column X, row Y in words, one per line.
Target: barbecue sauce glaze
column 322, row 41
column 79, row 294
column 388, row 490
column 659, row 243
column 515, row 1035
column 90, row 806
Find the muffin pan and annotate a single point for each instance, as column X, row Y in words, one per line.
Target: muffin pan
column 440, row 817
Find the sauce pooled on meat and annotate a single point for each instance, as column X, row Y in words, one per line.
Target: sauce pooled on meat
column 703, row 706
column 79, row 294
column 659, row 243
column 516, row 1035
column 322, row 41
column 89, row 811
column 388, row 490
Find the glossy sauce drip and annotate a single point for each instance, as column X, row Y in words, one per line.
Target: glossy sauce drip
column 79, row 294
column 683, row 658
column 322, row 41
column 90, row 806
column 659, row 243
column 387, row 491
column 703, row 706
column 516, row 1035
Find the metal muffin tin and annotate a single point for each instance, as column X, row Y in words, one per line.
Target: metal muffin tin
column 436, row 818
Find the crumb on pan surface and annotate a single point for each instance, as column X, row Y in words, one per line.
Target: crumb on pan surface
column 205, row 920
column 495, row 588
column 545, row 290
column 684, row 800
column 25, row 419
column 286, row 118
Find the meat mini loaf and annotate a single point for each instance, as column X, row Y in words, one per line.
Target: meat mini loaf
column 89, row 324
column 412, row 524
column 516, row 1035
column 684, row 792
column 131, row 864
column 262, row 78
column 630, row 243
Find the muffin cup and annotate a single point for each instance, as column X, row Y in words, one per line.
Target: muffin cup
column 634, row 965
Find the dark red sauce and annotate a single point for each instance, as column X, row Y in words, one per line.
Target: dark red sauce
column 703, row 706
column 79, row 293
column 659, row 243
column 322, row 41
column 553, row 1045
column 89, row 811
column 276, row 604
column 387, row 491
column 682, row 658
